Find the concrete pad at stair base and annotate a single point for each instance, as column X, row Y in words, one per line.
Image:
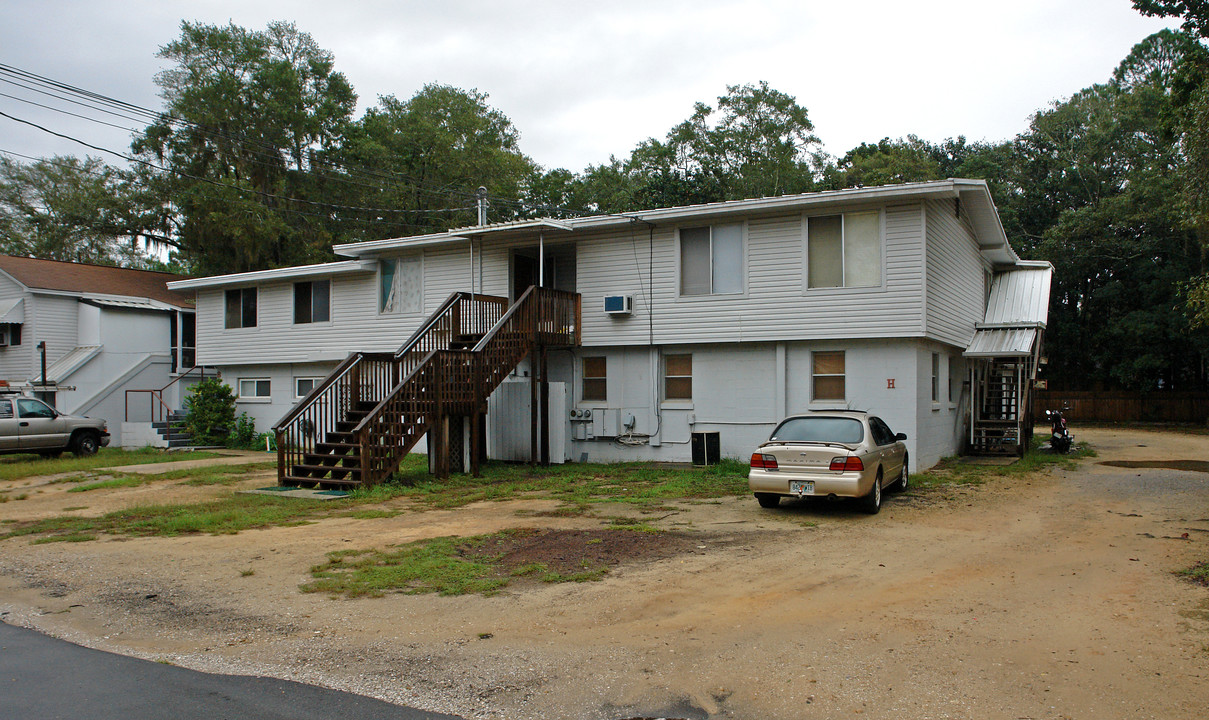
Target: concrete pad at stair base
column 296, row 492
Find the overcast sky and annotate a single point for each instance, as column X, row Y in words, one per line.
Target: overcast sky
column 586, row 80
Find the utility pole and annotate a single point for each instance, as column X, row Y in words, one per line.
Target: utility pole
column 482, row 204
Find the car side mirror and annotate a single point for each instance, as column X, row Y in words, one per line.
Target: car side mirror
column 901, row 436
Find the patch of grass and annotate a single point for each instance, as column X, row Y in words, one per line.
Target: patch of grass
column 15, row 467
column 1198, row 573
column 75, row 507
column 215, row 517
column 530, row 569
column 953, row 471
column 247, row 573
column 69, row 537
column 415, row 568
column 372, row 514
column 117, row 482
column 586, row 575
column 576, row 485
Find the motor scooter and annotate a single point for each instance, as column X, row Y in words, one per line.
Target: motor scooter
column 1060, row 440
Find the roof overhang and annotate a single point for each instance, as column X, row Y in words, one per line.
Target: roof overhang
column 342, row 267
column 524, row 228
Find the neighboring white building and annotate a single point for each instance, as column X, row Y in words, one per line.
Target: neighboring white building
column 107, row 330
column 731, row 316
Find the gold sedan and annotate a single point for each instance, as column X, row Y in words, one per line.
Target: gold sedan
column 832, row 454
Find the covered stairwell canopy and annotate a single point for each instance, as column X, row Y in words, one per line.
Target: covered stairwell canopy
column 1017, row 311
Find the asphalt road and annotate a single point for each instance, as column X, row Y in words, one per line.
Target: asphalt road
column 42, row 678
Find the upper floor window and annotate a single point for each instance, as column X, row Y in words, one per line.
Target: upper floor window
column 241, row 308
column 711, row 260
column 400, row 285
column 678, row 377
column 844, row 250
column 595, row 383
column 827, row 375
column 313, row 301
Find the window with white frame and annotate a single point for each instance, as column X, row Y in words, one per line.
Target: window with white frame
column 241, row 308
column 711, row 260
column 827, row 376
column 312, row 301
column 304, row 385
column 844, row 250
column 400, row 285
column 254, row 389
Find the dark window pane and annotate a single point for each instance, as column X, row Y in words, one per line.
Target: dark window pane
column 595, row 389
column 249, row 307
column 679, row 388
column 302, row 302
column 234, row 303
column 594, row 367
column 829, row 388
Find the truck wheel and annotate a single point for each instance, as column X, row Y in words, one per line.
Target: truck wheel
column 85, row 443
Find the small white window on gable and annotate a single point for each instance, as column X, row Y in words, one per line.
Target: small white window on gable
column 400, row 285
column 711, row 260
column 844, row 250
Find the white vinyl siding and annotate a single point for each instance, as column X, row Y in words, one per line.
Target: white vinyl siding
column 956, row 295
column 56, row 321
column 774, row 306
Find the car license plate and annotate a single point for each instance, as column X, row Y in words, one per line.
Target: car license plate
column 801, row 488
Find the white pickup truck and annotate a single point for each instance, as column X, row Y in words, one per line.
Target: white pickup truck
column 28, row 425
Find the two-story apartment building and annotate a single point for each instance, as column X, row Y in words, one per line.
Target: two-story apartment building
column 722, row 317
column 105, row 330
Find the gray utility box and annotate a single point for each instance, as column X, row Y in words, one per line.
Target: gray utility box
column 705, row 448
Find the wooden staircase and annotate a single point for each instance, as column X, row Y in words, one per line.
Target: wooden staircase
column 1001, row 424
column 356, row 426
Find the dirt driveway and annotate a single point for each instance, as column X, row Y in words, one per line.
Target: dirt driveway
column 1050, row 597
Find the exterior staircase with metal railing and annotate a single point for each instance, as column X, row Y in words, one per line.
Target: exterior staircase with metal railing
column 1001, row 422
column 356, row 426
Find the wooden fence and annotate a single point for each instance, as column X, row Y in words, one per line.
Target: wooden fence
column 1120, row 406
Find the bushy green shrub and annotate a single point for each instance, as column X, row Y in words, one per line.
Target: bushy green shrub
column 211, row 412
column 243, row 435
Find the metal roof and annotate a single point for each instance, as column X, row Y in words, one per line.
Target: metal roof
column 62, row 368
column 277, row 274
column 1002, row 342
column 1020, row 296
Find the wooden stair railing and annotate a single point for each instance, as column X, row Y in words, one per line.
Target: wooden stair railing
column 456, row 383
column 315, row 440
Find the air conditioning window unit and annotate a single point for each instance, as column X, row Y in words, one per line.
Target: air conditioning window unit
column 619, row 304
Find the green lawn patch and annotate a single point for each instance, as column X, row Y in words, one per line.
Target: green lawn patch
column 422, row 567
column 15, row 467
column 576, row 485
column 1198, row 573
column 954, row 471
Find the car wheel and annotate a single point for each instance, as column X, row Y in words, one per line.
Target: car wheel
column 768, row 500
column 86, row 444
column 872, row 502
column 903, row 481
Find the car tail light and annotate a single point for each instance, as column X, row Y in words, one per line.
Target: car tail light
column 847, row 464
column 767, row 462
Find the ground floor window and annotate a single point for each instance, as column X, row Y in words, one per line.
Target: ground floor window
column 678, row 377
column 827, row 376
column 304, row 385
column 254, row 388
column 595, row 380
column 935, row 377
